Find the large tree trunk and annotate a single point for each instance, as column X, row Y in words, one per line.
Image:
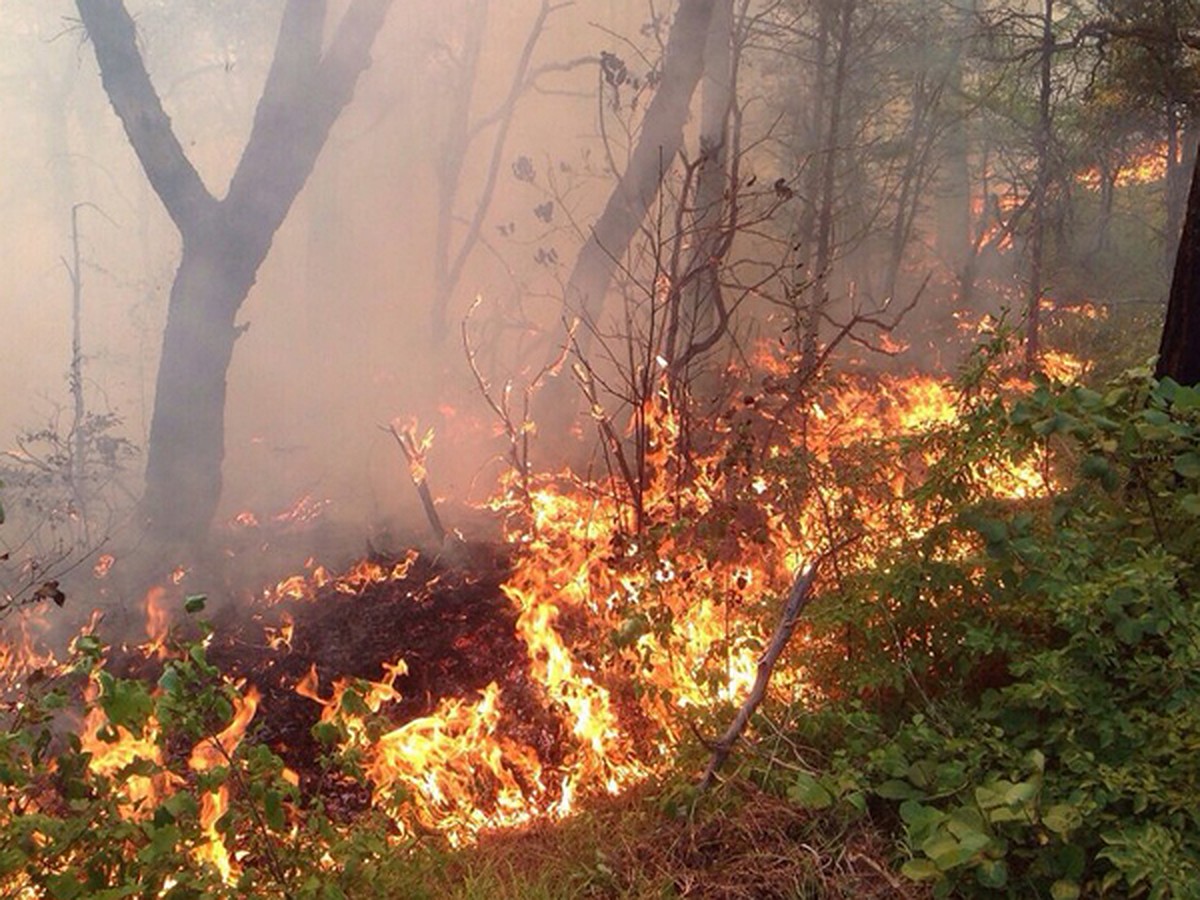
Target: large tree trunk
column 187, row 431
column 224, row 241
column 660, row 140
column 1179, row 349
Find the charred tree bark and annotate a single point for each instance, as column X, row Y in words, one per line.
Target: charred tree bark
column 224, row 240
column 1179, row 348
column 660, row 140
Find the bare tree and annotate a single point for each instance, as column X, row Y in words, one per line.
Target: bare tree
column 225, row 240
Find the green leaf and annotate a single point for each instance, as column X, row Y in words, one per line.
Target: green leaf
column 65, row 886
column 950, row 852
column 923, row 773
column 194, row 603
column 1064, row 890
column 992, row 873
column 273, row 810
column 808, row 792
column 895, row 789
column 326, row 734
column 921, row 820
column 1062, row 819
column 169, row 682
column 966, row 821
column 1095, row 466
column 163, row 842
column 1190, row 504
column 1186, row 399
column 125, row 702
column 994, row 531
column 1188, row 465
column 920, row 870
column 1021, row 792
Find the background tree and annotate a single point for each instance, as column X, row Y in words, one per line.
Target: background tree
column 224, row 240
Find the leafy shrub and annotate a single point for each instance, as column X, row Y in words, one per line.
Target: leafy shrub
column 1024, row 692
column 70, row 829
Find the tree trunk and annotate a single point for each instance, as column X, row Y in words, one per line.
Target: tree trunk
column 187, row 431
column 1179, row 349
column 224, row 241
column 712, row 182
column 1041, row 184
column 830, row 153
column 660, row 140
column 953, row 202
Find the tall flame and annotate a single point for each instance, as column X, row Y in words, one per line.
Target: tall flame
column 207, row 755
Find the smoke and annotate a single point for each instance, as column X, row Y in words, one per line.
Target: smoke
column 337, row 332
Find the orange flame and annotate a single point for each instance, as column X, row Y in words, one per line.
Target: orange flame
column 157, row 622
column 208, row 755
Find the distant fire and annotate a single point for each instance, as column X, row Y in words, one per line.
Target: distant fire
column 1148, row 167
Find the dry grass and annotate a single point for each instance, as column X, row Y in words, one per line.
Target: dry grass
column 764, row 847
column 743, row 845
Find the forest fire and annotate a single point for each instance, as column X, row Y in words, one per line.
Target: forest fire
column 1146, row 167
column 720, row 583
column 563, row 719
column 207, row 755
column 490, row 698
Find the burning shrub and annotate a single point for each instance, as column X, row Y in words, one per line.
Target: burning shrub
column 1018, row 682
column 125, row 808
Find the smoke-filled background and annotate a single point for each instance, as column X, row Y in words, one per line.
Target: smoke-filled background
column 884, row 156
column 337, row 338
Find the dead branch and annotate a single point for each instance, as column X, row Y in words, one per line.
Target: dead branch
column 518, row 428
column 415, row 455
column 798, row 599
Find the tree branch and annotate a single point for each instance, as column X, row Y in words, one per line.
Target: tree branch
column 798, row 598
column 136, row 103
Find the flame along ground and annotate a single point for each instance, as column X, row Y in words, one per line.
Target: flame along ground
column 627, row 635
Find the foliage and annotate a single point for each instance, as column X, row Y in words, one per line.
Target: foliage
column 71, row 829
column 1023, row 694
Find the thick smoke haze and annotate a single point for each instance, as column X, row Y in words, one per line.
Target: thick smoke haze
column 336, row 339
column 877, row 155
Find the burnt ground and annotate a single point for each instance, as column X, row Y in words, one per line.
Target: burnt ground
column 450, row 623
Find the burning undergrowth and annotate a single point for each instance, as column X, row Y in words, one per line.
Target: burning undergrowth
column 479, row 691
column 405, row 635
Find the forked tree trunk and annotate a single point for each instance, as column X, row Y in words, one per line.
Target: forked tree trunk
column 224, row 240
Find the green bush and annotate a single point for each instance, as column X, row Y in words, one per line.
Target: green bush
column 1024, row 692
column 69, row 831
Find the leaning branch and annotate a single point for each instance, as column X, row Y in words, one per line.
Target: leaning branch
column 414, row 453
column 798, row 599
